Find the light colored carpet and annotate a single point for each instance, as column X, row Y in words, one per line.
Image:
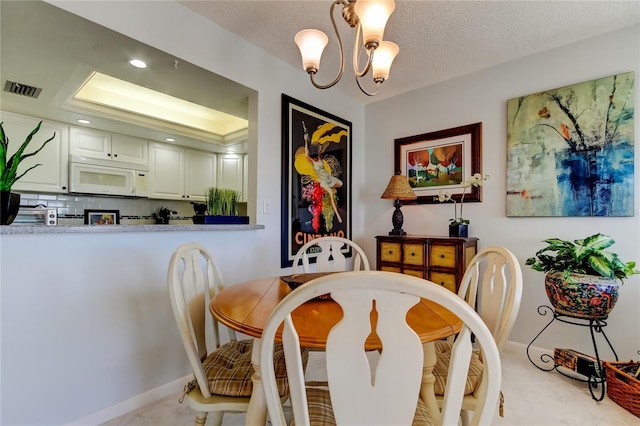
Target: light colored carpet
column 532, row 397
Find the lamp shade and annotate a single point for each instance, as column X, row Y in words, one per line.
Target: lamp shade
column 311, row 44
column 382, row 59
column 373, row 16
column 399, row 189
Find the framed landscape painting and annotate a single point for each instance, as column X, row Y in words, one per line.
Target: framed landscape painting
column 570, row 151
column 316, row 179
column 441, row 161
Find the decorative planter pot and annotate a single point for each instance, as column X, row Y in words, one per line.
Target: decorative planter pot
column 225, row 220
column 9, row 206
column 459, row 230
column 588, row 297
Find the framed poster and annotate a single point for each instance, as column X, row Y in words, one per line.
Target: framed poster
column 316, row 179
column 441, row 161
column 570, row 150
column 102, row 217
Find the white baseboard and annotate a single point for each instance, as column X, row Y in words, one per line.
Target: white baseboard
column 534, row 351
column 132, row 404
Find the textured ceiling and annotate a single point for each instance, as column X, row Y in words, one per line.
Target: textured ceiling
column 438, row 40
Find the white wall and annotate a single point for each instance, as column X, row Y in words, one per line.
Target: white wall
column 482, row 97
column 85, row 319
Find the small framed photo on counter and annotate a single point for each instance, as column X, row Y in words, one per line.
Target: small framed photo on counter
column 102, row 217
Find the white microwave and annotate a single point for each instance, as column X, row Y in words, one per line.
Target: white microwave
column 90, row 176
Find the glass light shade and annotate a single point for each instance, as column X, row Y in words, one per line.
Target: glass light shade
column 311, row 44
column 382, row 59
column 373, row 16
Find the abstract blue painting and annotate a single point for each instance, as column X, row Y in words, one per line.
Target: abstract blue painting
column 570, row 151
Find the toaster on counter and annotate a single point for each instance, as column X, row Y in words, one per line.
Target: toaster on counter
column 36, row 215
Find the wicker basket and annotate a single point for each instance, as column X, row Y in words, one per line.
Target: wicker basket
column 623, row 388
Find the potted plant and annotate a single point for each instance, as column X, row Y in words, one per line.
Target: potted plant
column 582, row 278
column 9, row 201
column 458, row 226
column 222, row 207
column 163, row 215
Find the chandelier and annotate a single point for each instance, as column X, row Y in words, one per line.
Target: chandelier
column 368, row 17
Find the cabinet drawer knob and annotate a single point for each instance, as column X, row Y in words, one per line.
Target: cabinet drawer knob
column 390, row 251
column 442, row 256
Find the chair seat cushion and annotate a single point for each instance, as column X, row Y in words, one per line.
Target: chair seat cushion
column 443, row 357
column 229, row 369
column 321, row 411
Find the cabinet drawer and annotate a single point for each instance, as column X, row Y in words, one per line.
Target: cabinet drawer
column 448, row 281
column 413, row 254
column 444, row 256
column 390, row 252
column 390, row 269
column 414, row 272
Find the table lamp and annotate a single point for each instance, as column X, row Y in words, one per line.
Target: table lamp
column 398, row 189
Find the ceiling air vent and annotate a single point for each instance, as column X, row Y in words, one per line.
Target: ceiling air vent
column 22, row 89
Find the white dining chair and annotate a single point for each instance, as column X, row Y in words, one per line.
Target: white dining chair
column 330, row 257
column 390, row 393
column 222, row 372
column 492, row 285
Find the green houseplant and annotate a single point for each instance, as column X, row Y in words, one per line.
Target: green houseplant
column 222, row 202
column 222, row 207
column 10, row 202
column 582, row 277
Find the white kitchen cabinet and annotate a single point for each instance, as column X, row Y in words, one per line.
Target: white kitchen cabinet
column 53, row 173
column 180, row 173
column 200, row 174
column 108, row 146
column 230, row 173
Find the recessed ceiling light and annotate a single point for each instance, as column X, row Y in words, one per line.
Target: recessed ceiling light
column 170, row 139
column 83, row 121
column 138, row 63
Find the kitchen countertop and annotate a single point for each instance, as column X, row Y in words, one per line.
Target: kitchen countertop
column 87, row 229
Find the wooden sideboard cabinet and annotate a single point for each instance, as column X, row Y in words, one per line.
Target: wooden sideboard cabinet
column 442, row 260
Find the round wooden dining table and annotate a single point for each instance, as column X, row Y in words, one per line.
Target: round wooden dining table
column 245, row 308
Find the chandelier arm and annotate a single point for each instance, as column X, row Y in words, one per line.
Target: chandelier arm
column 356, row 56
column 335, row 28
column 378, row 84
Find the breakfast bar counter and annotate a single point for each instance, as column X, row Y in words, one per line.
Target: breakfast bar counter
column 91, row 229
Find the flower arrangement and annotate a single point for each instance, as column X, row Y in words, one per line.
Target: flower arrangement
column 475, row 180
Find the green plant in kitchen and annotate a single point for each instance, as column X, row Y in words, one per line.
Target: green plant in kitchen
column 587, row 256
column 222, row 202
column 9, row 164
column 163, row 215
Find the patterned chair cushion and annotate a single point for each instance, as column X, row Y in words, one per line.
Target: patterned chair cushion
column 229, row 369
column 443, row 357
column 321, row 411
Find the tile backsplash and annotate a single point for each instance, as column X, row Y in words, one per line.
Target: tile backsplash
column 133, row 211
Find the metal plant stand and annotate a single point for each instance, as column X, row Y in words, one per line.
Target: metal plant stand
column 596, row 325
